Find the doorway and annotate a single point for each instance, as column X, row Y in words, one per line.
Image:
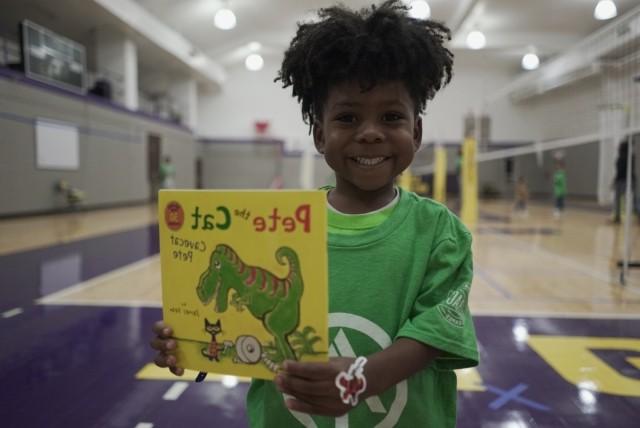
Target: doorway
column 199, row 173
column 153, row 165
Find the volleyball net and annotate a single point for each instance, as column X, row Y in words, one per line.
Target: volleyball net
column 584, row 106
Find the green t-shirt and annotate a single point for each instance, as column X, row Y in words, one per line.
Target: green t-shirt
column 559, row 183
column 354, row 224
column 406, row 277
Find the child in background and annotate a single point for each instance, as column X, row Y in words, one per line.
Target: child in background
column 400, row 266
column 167, row 174
column 522, row 197
column 559, row 187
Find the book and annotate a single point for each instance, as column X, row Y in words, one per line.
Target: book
column 245, row 278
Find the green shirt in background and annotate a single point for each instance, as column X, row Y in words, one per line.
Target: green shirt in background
column 167, row 175
column 408, row 276
column 559, row 183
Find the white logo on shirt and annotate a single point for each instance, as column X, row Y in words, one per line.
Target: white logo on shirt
column 341, row 346
column 454, row 306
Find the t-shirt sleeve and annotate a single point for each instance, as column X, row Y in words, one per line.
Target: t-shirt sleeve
column 440, row 315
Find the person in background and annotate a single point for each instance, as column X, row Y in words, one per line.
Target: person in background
column 521, row 197
column 167, row 174
column 559, row 187
column 620, row 180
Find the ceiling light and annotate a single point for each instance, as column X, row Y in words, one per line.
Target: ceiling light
column 419, row 9
column 476, row 40
column 605, row 9
column 254, row 62
column 254, row 46
column 530, row 61
column 225, row 19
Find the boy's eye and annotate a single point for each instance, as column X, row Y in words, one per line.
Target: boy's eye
column 346, row 118
column 392, row 117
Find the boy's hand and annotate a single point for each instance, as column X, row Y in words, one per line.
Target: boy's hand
column 313, row 386
column 166, row 347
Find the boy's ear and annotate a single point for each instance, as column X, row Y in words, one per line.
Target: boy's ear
column 318, row 137
column 417, row 133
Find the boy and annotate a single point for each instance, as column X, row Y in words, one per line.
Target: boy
column 400, row 266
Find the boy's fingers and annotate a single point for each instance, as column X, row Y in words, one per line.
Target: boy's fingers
column 178, row 371
column 297, row 386
column 157, row 327
column 311, row 371
column 163, row 345
column 157, row 344
column 164, row 360
column 160, row 360
column 161, row 329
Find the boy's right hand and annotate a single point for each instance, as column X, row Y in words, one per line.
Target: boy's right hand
column 166, row 347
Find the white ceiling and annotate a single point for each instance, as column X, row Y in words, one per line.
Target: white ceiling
column 511, row 26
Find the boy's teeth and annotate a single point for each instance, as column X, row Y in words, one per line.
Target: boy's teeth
column 369, row 161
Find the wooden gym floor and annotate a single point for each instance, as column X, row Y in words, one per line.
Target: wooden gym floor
column 559, row 337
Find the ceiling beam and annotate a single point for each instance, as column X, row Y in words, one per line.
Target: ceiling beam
column 148, row 26
column 461, row 14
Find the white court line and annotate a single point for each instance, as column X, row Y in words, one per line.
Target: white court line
column 104, row 302
column 175, row 391
column 144, row 425
column 12, row 312
column 54, row 298
column 550, row 314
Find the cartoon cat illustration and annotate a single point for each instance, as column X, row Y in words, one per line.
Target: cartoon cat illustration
column 214, row 349
column 272, row 299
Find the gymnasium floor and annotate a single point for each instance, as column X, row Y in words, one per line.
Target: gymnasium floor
column 559, row 338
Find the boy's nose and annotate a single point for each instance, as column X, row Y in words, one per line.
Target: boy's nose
column 370, row 133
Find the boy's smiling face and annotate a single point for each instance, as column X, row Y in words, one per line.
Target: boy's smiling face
column 368, row 138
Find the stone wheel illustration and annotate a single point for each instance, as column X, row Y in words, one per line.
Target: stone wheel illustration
column 248, row 349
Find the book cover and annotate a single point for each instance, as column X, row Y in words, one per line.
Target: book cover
column 244, row 278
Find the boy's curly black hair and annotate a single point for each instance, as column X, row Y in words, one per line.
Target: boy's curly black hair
column 372, row 45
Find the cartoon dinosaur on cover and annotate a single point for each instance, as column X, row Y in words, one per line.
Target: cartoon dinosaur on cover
column 273, row 300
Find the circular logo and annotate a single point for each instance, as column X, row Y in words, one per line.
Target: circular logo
column 174, row 215
column 342, row 321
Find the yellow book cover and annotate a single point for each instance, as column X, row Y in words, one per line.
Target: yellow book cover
column 244, row 278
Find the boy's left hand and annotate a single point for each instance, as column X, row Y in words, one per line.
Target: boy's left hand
column 313, row 386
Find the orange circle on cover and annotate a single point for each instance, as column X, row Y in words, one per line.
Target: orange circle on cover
column 174, row 215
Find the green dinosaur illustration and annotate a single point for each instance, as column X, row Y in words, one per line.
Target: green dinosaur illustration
column 273, row 300
column 303, row 341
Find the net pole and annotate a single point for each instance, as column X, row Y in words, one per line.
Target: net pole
column 629, row 188
column 628, row 213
